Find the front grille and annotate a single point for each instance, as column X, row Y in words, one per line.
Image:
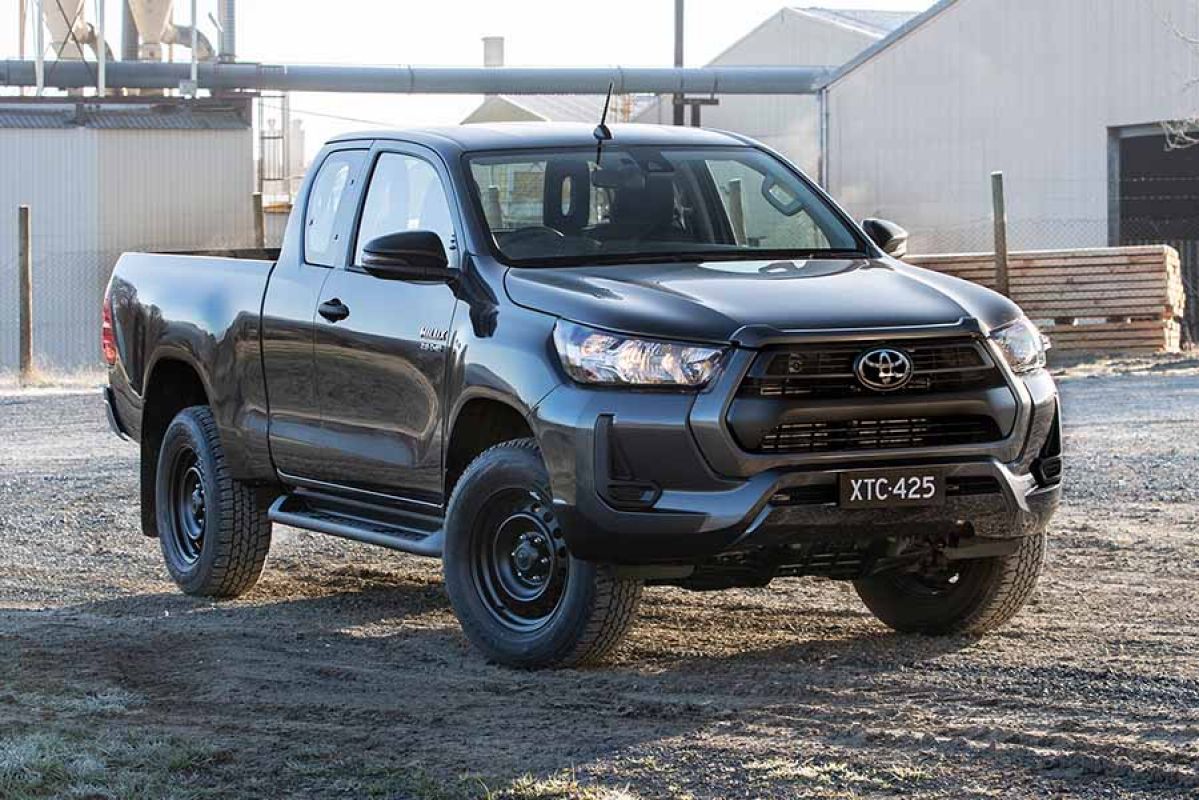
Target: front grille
column 827, row 370
column 879, row 434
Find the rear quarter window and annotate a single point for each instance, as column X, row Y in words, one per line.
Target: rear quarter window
column 322, row 241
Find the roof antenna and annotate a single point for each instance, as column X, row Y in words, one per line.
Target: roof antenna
column 601, row 132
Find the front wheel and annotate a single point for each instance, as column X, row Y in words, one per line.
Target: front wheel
column 522, row 598
column 968, row 597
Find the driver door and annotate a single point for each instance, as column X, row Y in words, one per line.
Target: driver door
column 382, row 345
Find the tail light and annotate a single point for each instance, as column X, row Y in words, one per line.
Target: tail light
column 108, row 338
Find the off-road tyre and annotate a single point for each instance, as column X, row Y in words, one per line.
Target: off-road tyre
column 987, row 593
column 221, row 552
column 499, row 506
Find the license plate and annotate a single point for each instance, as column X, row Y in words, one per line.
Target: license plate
column 892, row 488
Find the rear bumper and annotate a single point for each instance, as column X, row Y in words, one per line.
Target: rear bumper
column 110, row 411
column 634, row 484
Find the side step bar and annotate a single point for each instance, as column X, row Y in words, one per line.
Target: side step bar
column 409, row 532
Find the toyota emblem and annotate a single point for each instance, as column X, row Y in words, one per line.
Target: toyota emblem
column 884, row 369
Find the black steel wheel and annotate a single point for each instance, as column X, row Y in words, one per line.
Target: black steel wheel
column 213, row 530
column 522, row 598
column 970, row 597
column 188, row 511
column 521, row 562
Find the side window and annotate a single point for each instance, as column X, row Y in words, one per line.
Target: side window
column 405, row 194
column 324, row 201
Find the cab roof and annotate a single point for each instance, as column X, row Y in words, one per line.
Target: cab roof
column 532, row 135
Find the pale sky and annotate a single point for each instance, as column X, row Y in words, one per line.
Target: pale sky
column 449, row 33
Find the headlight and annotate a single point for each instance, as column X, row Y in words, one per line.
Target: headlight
column 1022, row 344
column 598, row 357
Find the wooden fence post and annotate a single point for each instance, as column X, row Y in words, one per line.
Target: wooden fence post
column 25, row 295
column 737, row 210
column 259, row 222
column 1002, row 283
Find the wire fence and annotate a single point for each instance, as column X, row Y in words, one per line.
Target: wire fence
column 978, row 235
column 68, row 286
column 68, row 289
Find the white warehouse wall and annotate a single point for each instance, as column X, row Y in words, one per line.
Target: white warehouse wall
column 1024, row 86
column 789, row 124
column 95, row 193
column 54, row 172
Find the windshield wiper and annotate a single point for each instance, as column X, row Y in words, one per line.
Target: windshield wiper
column 649, row 258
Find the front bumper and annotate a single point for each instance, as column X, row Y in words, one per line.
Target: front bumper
column 649, row 478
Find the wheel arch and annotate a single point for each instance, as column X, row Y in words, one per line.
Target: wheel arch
column 172, row 384
column 481, row 420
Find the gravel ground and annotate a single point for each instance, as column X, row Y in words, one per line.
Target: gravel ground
column 344, row 674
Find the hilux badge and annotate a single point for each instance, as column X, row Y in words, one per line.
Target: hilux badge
column 433, row 338
column 884, row 369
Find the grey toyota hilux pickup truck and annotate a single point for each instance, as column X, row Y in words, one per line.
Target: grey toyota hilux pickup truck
column 572, row 363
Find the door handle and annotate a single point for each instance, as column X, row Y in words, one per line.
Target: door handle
column 333, row 310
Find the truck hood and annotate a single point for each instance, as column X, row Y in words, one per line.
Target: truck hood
column 743, row 301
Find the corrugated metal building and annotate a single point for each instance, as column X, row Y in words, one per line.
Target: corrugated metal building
column 791, row 37
column 1064, row 97
column 102, row 179
column 556, row 108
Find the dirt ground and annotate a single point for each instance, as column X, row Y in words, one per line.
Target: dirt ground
column 343, row 674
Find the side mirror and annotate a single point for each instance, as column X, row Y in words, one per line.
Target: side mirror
column 892, row 239
column 407, row 255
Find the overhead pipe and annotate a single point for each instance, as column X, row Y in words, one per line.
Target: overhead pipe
column 433, row 80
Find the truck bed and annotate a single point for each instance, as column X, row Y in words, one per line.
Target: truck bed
column 202, row 311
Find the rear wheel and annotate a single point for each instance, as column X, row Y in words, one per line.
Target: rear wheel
column 214, row 533
column 520, row 595
column 970, row 597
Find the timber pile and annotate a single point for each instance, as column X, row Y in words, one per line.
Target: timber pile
column 1129, row 299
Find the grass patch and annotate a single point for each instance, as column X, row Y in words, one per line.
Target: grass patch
column 43, row 377
column 563, row 786
column 839, row 776
column 41, row 765
column 112, row 701
column 337, row 776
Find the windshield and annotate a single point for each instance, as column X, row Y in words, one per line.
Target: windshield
column 653, row 203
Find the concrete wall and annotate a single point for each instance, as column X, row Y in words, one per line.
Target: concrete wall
column 1025, row 86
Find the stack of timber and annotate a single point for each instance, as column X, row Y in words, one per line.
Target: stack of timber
column 1127, row 299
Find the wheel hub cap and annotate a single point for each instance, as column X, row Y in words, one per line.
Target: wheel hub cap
column 194, row 523
column 190, row 507
column 532, row 557
column 523, row 564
